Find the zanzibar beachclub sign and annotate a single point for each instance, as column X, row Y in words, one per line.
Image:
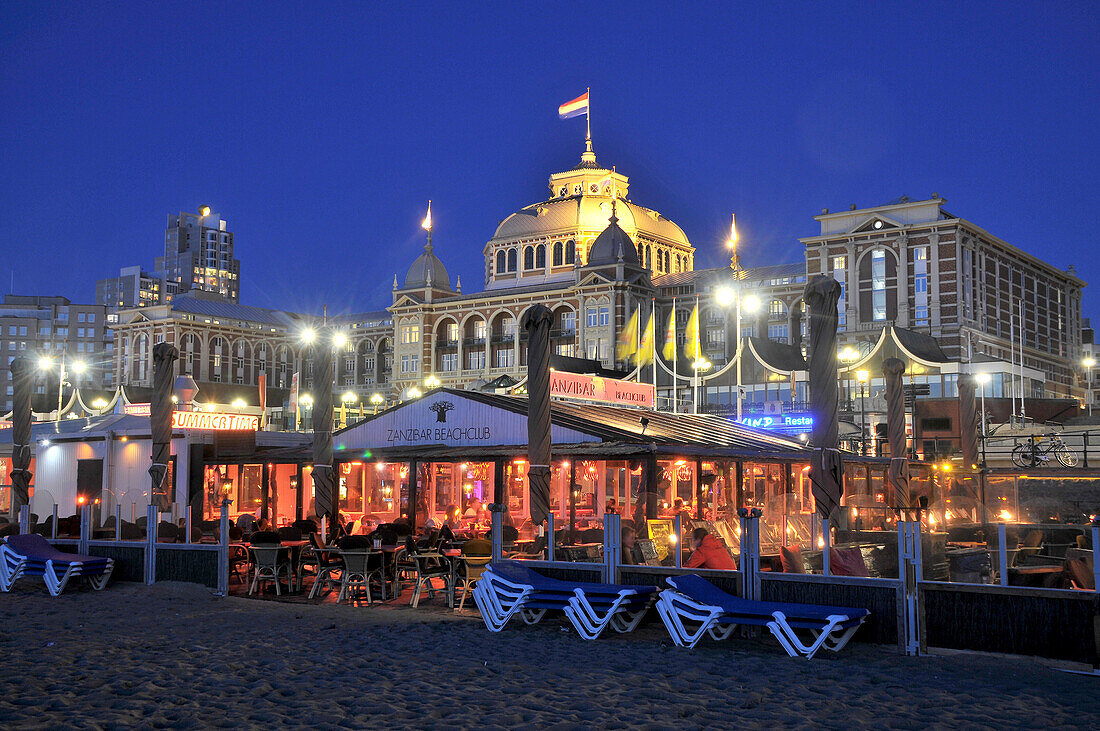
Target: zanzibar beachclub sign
column 604, row 390
column 214, row 422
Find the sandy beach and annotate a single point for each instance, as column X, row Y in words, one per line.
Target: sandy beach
column 172, row 655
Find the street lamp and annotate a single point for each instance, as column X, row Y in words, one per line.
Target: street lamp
column 306, row 401
column 862, row 376
column 983, row 379
column 432, row 382
column 725, row 296
column 414, row 392
column 1089, row 363
column 78, row 366
column 346, row 400
column 377, row 399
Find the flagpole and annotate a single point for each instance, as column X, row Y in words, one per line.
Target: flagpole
column 675, row 371
column 653, row 347
column 695, row 362
column 588, row 116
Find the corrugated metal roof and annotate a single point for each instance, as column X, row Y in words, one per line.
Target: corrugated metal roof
column 230, row 311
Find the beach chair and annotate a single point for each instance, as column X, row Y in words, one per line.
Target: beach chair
column 506, row 589
column 271, row 562
column 695, row 601
column 32, row 555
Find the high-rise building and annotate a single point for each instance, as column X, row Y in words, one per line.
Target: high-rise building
column 198, row 255
column 41, row 328
column 133, row 287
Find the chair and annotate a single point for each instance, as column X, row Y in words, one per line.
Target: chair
column 695, row 601
column 238, row 558
column 1032, row 546
column 328, row 563
column 32, row 555
column 472, row 569
column 508, row 588
column 271, row 561
column 289, row 533
column 429, row 566
column 360, row 567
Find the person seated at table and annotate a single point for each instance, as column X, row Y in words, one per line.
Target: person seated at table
column 631, row 552
column 473, row 510
column 386, row 534
column 263, row 524
column 707, row 552
column 452, row 517
column 681, row 510
column 612, row 507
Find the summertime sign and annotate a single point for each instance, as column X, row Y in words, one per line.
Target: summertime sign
column 604, row 390
column 214, row 422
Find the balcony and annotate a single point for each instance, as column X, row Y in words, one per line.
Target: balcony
column 562, row 334
column 499, row 338
column 474, row 342
column 444, row 344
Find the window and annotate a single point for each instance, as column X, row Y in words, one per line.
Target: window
column 448, row 362
column 559, row 252
column 91, row 317
column 62, row 332
column 505, row 358
column 452, row 332
column 776, row 309
column 570, row 252
column 475, row 360
column 529, row 258
column 23, row 330
column 409, row 334
column 566, row 349
column 777, row 332
column 80, row 332
column 569, row 321
column 592, row 349
column 368, row 364
column 511, row 260
column 508, row 328
column 502, row 261
column 591, row 316
column 878, row 284
column 80, row 317
column 920, row 283
column 349, row 364
column 605, row 316
column 716, row 337
column 410, row 363
column 42, row 331
column 540, row 257
column 480, row 328
column 920, row 314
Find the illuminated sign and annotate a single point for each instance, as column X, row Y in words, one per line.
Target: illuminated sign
column 604, row 390
column 787, row 421
column 135, row 409
column 214, row 422
column 5, row 425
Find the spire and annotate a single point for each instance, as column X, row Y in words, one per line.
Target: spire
column 620, row 252
column 458, row 284
column 426, row 224
column 429, row 278
column 395, row 281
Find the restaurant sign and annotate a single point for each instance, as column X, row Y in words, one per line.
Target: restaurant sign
column 795, row 421
column 135, row 409
column 214, row 422
column 603, row 390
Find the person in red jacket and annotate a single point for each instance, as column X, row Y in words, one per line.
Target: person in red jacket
column 707, row 552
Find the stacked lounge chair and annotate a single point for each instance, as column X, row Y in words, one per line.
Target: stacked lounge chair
column 509, row 588
column 694, row 601
column 32, row 555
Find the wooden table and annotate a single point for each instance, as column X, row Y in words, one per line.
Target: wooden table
column 1039, row 576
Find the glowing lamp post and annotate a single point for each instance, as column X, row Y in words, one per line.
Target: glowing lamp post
column 377, row 399
column 862, row 376
column 1089, row 363
column 78, row 366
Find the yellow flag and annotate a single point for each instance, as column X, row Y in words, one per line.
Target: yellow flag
column 647, row 348
column 628, row 339
column 669, row 351
column 691, row 335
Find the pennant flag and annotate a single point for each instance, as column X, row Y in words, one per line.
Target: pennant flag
column 691, row 339
column 426, row 224
column 574, row 108
column 628, row 339
column 669, row 351
column 648, row 347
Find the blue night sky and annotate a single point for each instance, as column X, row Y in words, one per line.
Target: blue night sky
column 319, row 134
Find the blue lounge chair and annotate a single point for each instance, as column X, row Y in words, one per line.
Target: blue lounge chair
column 695, row 601
column 32, row 555
column 509, row 588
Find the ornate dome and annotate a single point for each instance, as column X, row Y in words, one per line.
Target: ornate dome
column 608, row 246
column 427, row 271
column 588, row 212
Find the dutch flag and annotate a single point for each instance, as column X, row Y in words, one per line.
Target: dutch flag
column 574, row 108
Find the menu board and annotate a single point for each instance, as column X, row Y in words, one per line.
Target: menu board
column 649, row 552
column 660, row 530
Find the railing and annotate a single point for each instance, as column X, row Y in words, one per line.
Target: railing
column 503, row 338
column 560, row 334
column 473, row 342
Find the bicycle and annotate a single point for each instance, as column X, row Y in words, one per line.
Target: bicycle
column 1031, row 454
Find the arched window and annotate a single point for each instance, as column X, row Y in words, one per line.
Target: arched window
column 502, row 261
column 529, row 258
column 668, row 259
column 660, row 262
column 570, row 252
column 511, row 260
column 648, row 257
column 540, row 257
column 641, row 253
column 679, row 263
column 558, row 251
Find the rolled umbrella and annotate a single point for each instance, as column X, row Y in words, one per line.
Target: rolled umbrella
column 892, row 370
column 160, row 422
column 968, row 421
column 22, row 375
column 324, row 484
column 826, row 467
column 536, row 321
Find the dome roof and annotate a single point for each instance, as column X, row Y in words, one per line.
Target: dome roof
column 588, row 212
column 610, row 244
column 427, row 270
